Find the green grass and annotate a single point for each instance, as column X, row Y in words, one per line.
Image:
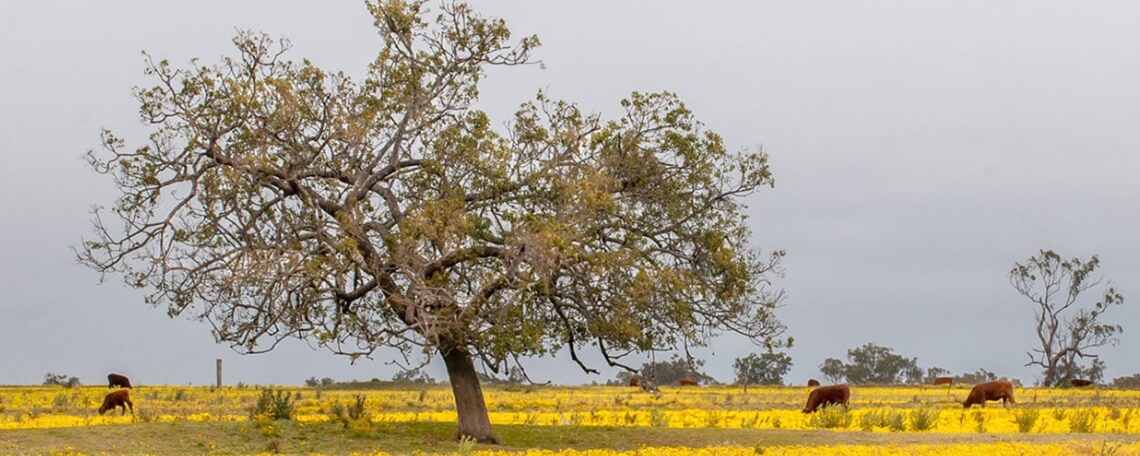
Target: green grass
column 329, row 438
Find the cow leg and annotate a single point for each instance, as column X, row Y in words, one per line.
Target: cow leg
column 131, row 405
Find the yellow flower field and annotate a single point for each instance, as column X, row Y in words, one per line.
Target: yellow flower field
column 995, row 449
column 1065, row 413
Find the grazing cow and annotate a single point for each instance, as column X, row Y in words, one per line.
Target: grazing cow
column 120, row 398
column 943, row 381
column 827, row 395
column 688, row 382
column 1080, row 383
column 990, row 391
column 121, row 381
column 813, row 382
column 633, row 381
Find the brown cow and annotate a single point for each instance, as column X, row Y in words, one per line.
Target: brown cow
column 943, row 381
column 114, row 380
column 1080, row 383
column 633, row 381
column 120, row 398
column 813, row 382
column 827, row 395
column 688, row 382
column 990, row 391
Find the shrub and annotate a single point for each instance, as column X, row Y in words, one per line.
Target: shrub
column 870, row 420
column 896, row 422
column 1083, row 421
column 980, row 422
column 830, row 417
column 1026, row 419
column 923, row 418
column 354, row 416
column 278, row 405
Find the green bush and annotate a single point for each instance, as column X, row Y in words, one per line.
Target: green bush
column 830, row 417
column 278, row 405
column 346, row 414
column 923, row 418
column 1082, row 421
column 1026, row 419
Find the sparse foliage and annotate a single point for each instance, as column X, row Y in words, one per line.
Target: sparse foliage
column 275, row 199
column 1068, row 330
column 354, row 411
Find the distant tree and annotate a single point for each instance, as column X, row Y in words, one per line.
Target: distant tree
column 412, row 376
column 974, row 378
column 833, row 370
column 667, row 372
column 933, row 372
column 516, row 376
column 63, row 380
column 765, row 369
column 1068, row 331
column 872, row 364
column 326, row 381
column 623, row 377
column 280, row 200
column 1129, row 382
column 312, row 382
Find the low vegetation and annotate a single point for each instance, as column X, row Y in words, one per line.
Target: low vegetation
column 879, row 420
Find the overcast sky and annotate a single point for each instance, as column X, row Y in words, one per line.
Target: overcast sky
column 919, row 149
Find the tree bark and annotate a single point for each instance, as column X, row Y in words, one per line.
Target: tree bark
column 469, row 404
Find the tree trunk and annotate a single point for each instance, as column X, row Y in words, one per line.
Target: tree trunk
column 469, row 405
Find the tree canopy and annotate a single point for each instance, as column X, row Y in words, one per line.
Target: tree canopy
column 768, row 368
column 276, row 199
column 872, row 364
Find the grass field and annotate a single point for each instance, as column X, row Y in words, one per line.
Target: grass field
column 568, row 420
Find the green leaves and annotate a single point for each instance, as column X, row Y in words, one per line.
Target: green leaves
column 278, row 199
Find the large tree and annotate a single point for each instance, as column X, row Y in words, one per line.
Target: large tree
column 1068, row 329
column 768, row 368
column 872, row 364
column 276, row 200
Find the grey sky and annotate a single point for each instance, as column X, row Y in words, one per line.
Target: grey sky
column 919, row 149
